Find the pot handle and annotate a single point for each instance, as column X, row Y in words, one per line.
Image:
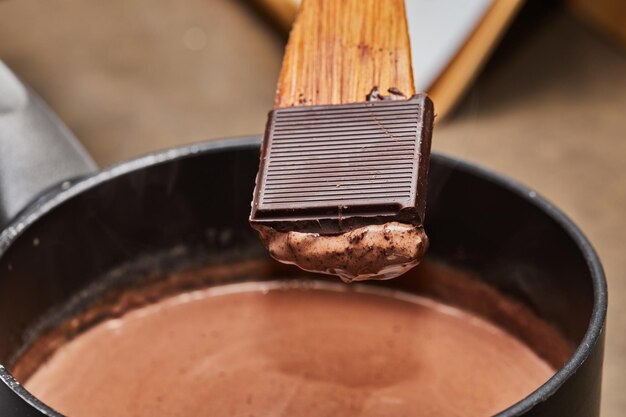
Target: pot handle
column 36, row 149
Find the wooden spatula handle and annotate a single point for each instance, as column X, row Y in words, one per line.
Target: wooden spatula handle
column 338, row 50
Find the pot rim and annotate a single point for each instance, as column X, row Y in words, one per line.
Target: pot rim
column 57, row 195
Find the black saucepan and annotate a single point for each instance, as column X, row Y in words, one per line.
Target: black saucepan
column 198, row 196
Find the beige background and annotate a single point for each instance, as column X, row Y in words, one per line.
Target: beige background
column 129, row 77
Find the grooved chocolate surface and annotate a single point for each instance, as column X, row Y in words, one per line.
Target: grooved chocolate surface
column 330, row 168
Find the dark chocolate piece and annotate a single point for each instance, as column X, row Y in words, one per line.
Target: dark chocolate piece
column 395, row 92
column 373, row 95
column 329, row 169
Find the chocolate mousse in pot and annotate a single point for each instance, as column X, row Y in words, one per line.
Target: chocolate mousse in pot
column 295, row 348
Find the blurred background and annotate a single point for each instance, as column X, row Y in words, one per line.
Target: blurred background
column 539, row 95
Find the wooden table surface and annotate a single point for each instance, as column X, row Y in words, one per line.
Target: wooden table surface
column 132, row 76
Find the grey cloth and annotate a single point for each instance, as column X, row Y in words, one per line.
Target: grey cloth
column 36, row 149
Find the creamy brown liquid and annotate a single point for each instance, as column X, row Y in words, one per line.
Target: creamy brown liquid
column 379, row 251
column 272, row 349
